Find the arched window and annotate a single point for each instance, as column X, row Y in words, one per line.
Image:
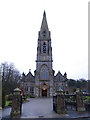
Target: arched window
column 44, row 74
column 26, row 88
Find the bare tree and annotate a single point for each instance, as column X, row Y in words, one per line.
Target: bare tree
column 10, row 77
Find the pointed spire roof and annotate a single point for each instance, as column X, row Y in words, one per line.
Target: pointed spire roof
column 44, row 14
column 44, row 24
column 44, row 32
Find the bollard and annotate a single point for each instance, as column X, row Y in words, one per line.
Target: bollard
column 16, row 103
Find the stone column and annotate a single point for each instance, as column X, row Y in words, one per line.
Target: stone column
column 36, row 92
column 60, row 102
column 16, row 103
column 79, row 101
column 51, row 91
column 29, row 89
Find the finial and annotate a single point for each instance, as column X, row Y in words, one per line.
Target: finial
column 29, row 70
column 65, row 75
column 44, row 14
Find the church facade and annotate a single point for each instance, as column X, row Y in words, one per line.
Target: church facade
column 44, row 82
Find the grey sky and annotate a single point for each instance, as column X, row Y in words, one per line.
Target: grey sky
column 68, row 22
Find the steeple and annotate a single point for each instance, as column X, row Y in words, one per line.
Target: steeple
column 44, row 14
column 44, row 31
column 44, row 22
column 44, row 49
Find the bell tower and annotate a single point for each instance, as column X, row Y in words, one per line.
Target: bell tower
column 44, row 73
column 44, row 49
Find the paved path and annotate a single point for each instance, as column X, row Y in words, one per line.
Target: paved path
column 38, row 108
column 42, row 108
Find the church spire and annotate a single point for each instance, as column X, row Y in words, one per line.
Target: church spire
column 44, row 14
column 44, row 22
column 44, row 32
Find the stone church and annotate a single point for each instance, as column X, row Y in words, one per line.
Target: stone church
column 44, row 82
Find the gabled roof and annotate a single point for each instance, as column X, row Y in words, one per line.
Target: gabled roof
column 59, row 77
column 59, row 74
column 30, row 74
column 29, row 77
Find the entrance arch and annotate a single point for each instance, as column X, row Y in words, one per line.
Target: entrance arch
column 44, row 90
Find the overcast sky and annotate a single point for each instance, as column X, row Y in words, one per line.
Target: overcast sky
column 20, row 21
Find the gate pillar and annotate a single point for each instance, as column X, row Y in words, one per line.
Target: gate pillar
column 79, row 101
column 16, row 103
column 59, row 102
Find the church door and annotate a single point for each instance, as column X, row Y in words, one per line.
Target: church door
column 44, row 92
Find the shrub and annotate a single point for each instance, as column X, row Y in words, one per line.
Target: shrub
column 74, row 90
column 23, row 98
column 10, row 97
column 8, row 103
column 67, row 92
column 31, row 96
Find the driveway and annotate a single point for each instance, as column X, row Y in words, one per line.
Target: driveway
column 42, row 108
column 39, row 108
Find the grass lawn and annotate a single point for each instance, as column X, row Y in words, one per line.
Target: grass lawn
column 7, row 103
